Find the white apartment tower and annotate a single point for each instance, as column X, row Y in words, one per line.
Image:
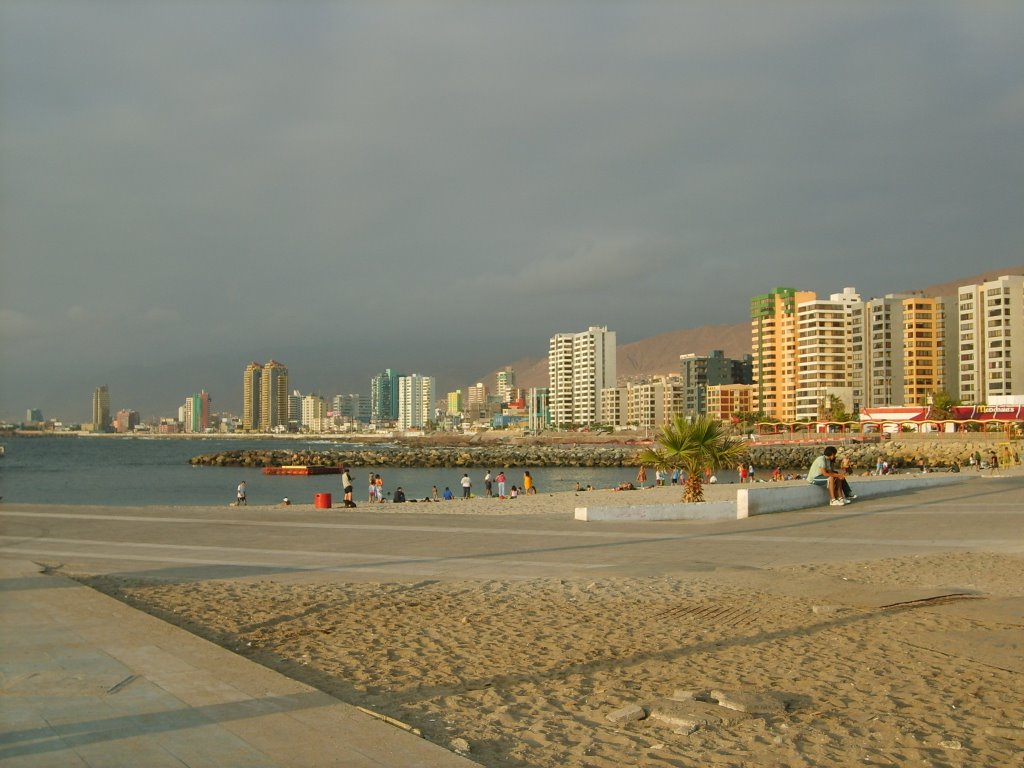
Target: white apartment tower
column 506, row 382
column 415, row 401
column 991, row 329
column 822, row 354
column 313, row 413
column 580, row 366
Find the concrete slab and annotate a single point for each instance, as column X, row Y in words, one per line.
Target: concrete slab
column 86, row 680
column 707, row 510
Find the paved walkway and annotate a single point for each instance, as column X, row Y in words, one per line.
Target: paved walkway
column 88, row 681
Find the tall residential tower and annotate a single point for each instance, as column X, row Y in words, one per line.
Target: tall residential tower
column 580, row 365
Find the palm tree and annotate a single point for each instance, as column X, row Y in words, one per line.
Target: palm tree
column 693, row 446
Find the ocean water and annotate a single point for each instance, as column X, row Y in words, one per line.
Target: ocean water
column 131, row 471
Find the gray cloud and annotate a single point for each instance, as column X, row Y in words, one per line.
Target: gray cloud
column 450, row 183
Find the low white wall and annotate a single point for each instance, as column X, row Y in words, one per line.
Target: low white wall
column 767, row 498
column 705, row 510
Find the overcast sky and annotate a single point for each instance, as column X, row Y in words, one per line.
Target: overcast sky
column 440, row 187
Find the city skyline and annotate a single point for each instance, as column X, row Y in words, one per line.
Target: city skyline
column 943, row 323
column 350, row 186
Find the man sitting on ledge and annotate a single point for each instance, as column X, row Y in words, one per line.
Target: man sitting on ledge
column 823, row 472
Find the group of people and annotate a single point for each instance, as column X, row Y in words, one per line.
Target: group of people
column 499, row 480
column 662, row 477
column 376, row 493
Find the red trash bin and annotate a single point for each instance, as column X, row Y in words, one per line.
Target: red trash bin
column 322, row 501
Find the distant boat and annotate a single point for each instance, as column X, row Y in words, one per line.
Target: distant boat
column 301, row 469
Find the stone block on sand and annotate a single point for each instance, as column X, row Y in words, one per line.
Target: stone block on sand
column 692, row 714
column 628, row 714
column 751, row 702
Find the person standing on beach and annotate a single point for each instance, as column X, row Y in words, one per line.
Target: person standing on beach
column 466, row 485
column 528, row 486
column 240, row 500
column 346, row 487
column 488, row 484
column 372, row 491
column 379, row 482
column 501, row 484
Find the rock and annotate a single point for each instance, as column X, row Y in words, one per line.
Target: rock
column 688, row 714
column 460, row 746
column 750, row 702
column 690, row 694
column 627, row 714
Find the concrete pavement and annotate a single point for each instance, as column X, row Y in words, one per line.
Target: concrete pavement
column 88, row 681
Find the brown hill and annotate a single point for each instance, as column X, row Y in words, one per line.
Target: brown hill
column 660, row 354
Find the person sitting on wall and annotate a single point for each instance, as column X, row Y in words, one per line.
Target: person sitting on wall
column 823, row 472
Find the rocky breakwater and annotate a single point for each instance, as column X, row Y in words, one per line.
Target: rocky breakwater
column 909, row 454
column 432, row 456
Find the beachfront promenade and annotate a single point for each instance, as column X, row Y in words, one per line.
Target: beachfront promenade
column 90, row 681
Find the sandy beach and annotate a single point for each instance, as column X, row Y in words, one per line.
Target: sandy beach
column 785, row 666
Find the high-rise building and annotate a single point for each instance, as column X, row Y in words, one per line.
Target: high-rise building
column 580, row 366
column 991, row 341
column 476, row 402
column 698, row 372
column 415, row 401
column 196, row 413
column 506, row 382
column 537, row 410
column 384, row 397
column 930, row 348
column 126, row 421
column 615, row 407
column 251, row 398
column 313, row 413
column 903, row 350
column 273, row 396
column 811, row 354
column 823, row 374
column 352, row 408
column 655, row 402
column 101, row 409
column 876, row 370
column 774, row 344
column 455, row 403
column 295, row 408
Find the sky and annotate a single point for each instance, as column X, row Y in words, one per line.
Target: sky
column 439, row 187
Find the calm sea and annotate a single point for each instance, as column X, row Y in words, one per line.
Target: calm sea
column 111, row 471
